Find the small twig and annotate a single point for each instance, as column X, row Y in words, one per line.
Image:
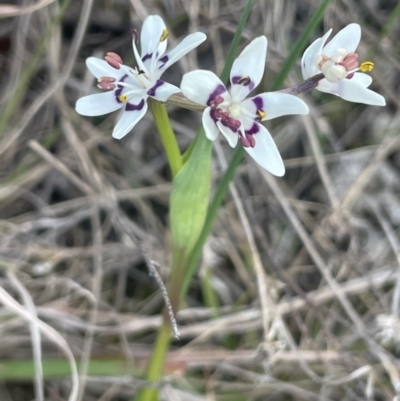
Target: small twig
column 320, row 161
column 35, row 333
column 7, row 300
column 394, row 244
column 152, row 265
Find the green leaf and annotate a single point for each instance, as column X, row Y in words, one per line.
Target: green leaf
column 189, row 197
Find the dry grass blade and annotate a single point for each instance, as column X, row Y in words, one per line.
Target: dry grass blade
column 9, row 10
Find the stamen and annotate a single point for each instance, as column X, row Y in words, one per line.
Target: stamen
column 106, row 83
column 251, row 140
column 245, row 81
column 123, row 98
column 261, row 114
column 216, row 101
column 350, row 62
column 367, row 66
column 114, row 60
column 135, row 35
column 247, row 141
column 244, row 142
column 164, row 35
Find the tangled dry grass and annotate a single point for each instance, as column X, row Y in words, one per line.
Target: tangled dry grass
column 81, row 213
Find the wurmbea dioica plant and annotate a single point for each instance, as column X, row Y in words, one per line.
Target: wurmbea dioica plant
column 338, row 62
column 331, row 68
column 237, row 118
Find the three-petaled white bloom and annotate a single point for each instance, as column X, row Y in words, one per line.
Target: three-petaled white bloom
column 129, row 88
column 235, row 116
column 338, row 62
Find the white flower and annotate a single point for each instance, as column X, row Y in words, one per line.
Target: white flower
column 128, row 88
column 338, row 62
column 235, row 116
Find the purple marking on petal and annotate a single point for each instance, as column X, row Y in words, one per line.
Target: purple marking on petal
column 147, row 56
column 118, row 92
column 253, row 130
column 259, row 103
column 152, row 91
column 218, row 91
column 132, row 107
column 163, row 60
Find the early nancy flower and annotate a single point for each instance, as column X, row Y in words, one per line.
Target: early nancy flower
column 128, row 88
column 338, row 62
column 235, row 116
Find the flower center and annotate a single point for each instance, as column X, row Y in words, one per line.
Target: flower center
column 235, row 110
column 338, row 66
column 228, row 115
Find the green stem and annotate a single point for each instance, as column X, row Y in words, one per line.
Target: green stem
column 167, row 135
column 156, row 362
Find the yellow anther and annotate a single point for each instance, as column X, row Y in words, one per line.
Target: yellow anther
column 367, row 66
column 164, row 35
column 123, row 98
column 261, row 113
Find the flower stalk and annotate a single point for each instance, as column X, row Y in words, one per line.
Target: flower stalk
column 167, row 135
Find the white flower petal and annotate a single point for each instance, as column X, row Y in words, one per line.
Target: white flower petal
column 210, row 128
column 161, row 91
column 230, row 136
column 97, row 104
column 152, row 29
column 129, row 119
column 352, row 91
column 348, row 38
column 187, row 44
column 100, row 68
column 274, row 104
column 363, row 79
column 250, row 64
column 328, row 87
column 308, row 66
column 265, row 153
column 199, row 85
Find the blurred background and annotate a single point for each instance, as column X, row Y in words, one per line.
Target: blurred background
column 322, row 243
